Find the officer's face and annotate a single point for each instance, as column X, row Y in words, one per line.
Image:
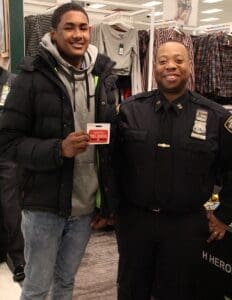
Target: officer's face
column 72, row 36
column 172, row 68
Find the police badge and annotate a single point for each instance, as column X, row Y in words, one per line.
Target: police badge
column 199, row 127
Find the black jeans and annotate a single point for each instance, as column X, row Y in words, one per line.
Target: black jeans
column 160, row 254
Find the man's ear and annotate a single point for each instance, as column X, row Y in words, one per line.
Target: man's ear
column 190, row 63
column 53, row 35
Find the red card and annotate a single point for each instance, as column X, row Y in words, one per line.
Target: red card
column 98, row 136
column 99, row 133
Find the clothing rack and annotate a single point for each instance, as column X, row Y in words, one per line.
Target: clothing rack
column 118, row 18
column 154, row 24
column 126, row 19
column 227, row 27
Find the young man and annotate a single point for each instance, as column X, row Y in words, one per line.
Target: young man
column 43, row 128
column 11, row 238
column 170, row 146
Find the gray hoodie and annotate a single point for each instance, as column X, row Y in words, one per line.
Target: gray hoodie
column 80, row 86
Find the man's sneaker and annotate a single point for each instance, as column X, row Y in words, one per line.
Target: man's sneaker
column 19, row 274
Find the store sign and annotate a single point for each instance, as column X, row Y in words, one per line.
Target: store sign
column 184, row 12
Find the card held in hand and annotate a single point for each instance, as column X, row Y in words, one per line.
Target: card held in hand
column 99, row 133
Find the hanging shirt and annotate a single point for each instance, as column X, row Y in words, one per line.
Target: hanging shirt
column 213, row 64
column 225, row 52
column 35, row 28
column 123, row 48
column 162, row 35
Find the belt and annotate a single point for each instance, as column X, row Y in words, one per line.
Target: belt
column 158, row 210
column 163, row 211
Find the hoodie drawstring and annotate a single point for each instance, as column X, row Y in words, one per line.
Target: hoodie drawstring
column 87, row 90
column 74, row 92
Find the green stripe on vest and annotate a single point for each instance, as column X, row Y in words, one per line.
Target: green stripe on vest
column 98, row 194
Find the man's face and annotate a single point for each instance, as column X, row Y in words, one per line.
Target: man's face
column 72, row 36
column 172, row 68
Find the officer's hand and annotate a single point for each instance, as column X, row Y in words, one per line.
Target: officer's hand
column 74, row 144
column 217, row 229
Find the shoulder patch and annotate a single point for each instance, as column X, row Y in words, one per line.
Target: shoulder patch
column 228, row 124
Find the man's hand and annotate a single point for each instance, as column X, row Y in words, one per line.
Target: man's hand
column 217, row 229
column 74, row 144
column 98, row 222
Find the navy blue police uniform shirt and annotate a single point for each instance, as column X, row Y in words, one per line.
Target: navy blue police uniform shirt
column 173, row 153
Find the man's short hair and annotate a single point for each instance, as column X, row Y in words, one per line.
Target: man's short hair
column 61, row 10
column 173, row 41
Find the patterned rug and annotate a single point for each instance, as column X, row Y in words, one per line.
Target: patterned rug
column 96, row 278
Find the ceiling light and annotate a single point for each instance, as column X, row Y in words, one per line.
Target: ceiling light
column 211, row 11
column 212, row 1
column 152, row 3
column 96, row 5
column 209, row 19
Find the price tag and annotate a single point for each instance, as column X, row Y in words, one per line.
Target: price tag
column 121, row 49
column 99, row 133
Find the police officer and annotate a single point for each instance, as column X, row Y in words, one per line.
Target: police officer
column 170, row 146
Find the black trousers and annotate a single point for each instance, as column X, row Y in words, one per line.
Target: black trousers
column 160, row 255
column 11, row 238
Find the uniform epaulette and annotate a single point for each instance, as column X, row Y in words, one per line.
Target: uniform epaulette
column 209, row 104
column 197, row 98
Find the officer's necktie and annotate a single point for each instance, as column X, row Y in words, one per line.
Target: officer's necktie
column 164, row 159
